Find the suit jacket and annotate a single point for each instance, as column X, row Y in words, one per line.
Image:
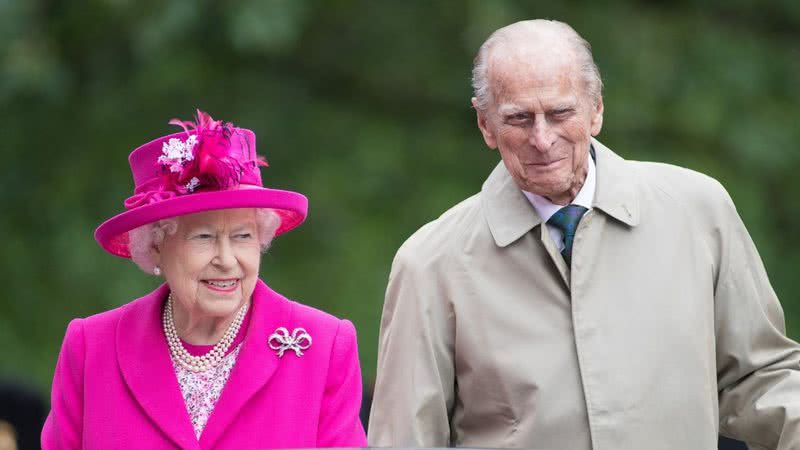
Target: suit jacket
column 115, row 386
column 664, row 331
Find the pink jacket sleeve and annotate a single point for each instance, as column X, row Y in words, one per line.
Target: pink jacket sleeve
column 63, row 428
column 339, row 422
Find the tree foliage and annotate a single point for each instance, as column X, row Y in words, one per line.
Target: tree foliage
column 364, row 107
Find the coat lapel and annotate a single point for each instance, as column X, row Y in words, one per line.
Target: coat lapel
column 509, row 214
column 555, row 255
column 147, row 369
column 615, row 192
column 255, row 364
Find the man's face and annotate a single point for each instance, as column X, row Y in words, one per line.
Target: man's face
column 541, row 120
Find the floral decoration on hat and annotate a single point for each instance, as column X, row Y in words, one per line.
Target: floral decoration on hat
column 204, row 159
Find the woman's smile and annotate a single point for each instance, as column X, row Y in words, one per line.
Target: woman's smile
column 222, row 285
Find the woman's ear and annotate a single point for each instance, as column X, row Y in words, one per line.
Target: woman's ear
column 155, row 253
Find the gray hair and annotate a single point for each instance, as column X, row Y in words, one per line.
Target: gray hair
column 583, row 51
column 143, row 239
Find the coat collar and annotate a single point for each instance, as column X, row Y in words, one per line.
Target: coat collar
column 616, row 193
column 510, row 215
column 147, row 368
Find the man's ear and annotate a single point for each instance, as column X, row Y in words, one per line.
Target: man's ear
column 597, row 118
column 483, row 125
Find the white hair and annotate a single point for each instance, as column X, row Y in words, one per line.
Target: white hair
column 583, row 50
column 141, row 240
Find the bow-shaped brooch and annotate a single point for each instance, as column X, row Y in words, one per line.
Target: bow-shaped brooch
column 281, row 341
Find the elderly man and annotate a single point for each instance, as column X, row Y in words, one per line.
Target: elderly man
column 579, row 301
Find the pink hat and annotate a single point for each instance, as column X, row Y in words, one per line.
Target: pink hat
column 210, row 165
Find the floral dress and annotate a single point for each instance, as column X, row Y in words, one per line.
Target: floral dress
column 201, row 390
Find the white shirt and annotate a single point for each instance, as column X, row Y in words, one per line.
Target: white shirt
column 545, row 208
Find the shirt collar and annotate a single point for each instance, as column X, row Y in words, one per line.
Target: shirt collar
column 510, row 215
column 545, row 208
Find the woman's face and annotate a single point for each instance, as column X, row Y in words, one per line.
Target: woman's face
column 211, row 261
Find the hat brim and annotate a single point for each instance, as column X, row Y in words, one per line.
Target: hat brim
column 292, row 207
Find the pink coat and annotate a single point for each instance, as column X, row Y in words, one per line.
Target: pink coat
column 115, row 387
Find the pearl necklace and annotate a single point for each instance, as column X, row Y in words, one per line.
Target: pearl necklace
column 210, row 359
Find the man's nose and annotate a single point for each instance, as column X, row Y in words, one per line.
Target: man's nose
column 542, row 136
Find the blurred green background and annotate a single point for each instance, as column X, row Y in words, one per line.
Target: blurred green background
column 364, row 107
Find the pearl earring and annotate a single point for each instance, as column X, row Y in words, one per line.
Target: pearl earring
column 156, row 271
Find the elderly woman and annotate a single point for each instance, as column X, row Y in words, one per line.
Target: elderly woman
column 213, row 358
